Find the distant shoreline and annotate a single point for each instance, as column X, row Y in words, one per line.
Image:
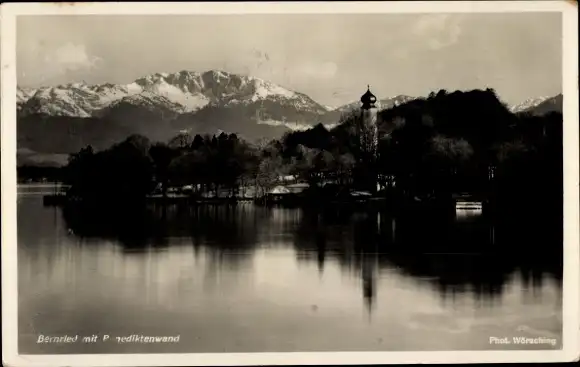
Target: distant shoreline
column 39, row 184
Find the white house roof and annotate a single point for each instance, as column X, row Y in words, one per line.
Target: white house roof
column 298, row 186
column 361, row 193
column 279, row 190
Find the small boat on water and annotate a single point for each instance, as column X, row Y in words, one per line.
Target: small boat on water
column 468, row 203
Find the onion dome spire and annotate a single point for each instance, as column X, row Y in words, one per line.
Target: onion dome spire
column 368, row 99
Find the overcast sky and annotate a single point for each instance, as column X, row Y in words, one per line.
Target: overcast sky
column 329, row 57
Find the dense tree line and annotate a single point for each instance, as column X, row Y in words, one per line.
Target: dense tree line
column 122, row 172
column 429, row 147
column 436, row 146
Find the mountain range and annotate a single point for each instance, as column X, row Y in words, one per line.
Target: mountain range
column 58, row 120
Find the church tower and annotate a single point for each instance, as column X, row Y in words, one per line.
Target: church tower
column 368, row 134
column 369, row 129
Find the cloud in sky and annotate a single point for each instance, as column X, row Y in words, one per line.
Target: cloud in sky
column 51, row 62
column 71, row 57
column 298, row 69
column 439, row 30
column 286, row 70
column 322, row 70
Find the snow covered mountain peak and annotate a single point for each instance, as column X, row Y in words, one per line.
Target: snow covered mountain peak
column 527, row 104
column 263, row 89
column 182, row 91
column 23, row 94
column 148, row 99
column 195, row 90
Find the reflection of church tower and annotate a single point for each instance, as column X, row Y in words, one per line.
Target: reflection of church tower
column 369, row 280
column 321, row 251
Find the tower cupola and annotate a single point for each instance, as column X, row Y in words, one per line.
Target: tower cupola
column 368, row 99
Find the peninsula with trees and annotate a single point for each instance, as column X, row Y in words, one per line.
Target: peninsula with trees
column 427, row 150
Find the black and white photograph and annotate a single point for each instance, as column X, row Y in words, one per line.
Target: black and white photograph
column 280, row 183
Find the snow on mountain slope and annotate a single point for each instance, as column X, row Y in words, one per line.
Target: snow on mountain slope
column 263, row 89
column 191, row 90
column 183, row 91
column 109, row 93
column 195, row 90
column 75, row 99
column 334, row 116
column 159, row 106
column 381, row 104
column 527, row 104
column 547, row 105
column 60, row 101
column 148, row 100
column 23, row 94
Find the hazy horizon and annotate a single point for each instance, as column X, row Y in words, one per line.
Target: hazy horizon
column 331, row 58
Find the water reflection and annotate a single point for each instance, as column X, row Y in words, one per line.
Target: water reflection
column 465, row 253
column 288, row 269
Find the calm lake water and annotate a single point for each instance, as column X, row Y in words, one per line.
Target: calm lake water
column 251, row 279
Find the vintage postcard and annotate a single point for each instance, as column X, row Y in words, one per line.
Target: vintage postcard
column 292, row 183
